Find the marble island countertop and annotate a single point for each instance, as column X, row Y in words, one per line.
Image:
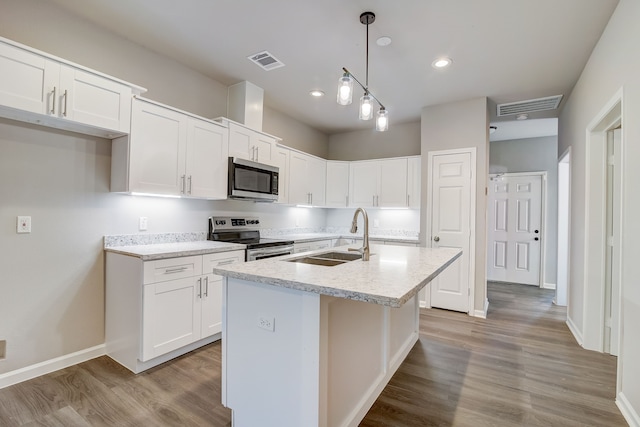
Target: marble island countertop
column 175, row 249
column 392, row 276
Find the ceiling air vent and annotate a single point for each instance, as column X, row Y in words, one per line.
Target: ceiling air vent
column 265, row 60
column 529, row 106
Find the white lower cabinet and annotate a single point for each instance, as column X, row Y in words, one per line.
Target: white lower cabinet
column 176, row 308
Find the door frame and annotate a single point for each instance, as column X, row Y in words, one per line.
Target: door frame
column 564, row 236
column 594, row 225
column 543, row 220
column 472, row 222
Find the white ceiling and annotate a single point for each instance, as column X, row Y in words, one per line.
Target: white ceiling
column 505, row 50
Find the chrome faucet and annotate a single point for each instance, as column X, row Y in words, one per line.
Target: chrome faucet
column 364, row 250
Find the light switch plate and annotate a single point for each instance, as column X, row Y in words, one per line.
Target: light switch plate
column 23, row 224
column 143, row 223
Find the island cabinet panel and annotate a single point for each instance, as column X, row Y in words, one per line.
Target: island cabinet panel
column 327, row 357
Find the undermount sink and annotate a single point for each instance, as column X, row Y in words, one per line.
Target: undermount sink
column 328, row 259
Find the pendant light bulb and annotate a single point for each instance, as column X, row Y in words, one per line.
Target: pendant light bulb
column 366, row 107
column 382, row 120
column 345, row 89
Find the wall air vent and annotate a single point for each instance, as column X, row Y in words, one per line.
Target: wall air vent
column 529, row 106
column 265, row 60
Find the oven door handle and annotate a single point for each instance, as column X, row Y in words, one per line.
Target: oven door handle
column 275, row 250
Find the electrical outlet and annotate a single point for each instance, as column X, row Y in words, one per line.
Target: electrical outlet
column 143, row 223
column 267, row 323
column 23, row 224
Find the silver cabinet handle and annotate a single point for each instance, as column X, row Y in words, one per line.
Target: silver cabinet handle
column 53, row 101
column 407, row 200
column 257, row 154
column 189, row 188
column 200, row 287
column 226, row 262
column 175, row 270
column 183, row 183
column 377, row 200
column 311, row 198
column 206, row 286
column 253, row 153
column 347, row 200
column 64, row 112
column 436, row 239
column 373, row 202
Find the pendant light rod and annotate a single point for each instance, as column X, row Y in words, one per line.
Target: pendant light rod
column 366, row 89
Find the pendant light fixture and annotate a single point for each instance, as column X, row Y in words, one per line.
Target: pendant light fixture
column 345, row 87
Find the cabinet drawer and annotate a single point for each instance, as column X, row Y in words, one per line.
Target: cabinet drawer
column 172, row 268
column 210, row 261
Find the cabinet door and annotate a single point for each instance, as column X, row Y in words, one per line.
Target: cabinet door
column 298, row 188
column 171, row 316
column 240, row 142
column 337, row 190
column 317, row 178
column 280, row 159
column 207, row 164
column 393, row 183
column 211, row 301
column 363, row 182
column 94, row 100
column 27, row 80
column 264, row 149
column 157, row 150
column 413, row 182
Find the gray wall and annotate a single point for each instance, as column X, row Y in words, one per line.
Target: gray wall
column 534, row 155
column 461, row 124
column 295, row 134
column 401, row 139
column 614, row 65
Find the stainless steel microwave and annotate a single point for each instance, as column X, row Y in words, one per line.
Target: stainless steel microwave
column 252, row 181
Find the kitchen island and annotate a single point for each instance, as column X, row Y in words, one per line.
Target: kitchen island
column 313, row 343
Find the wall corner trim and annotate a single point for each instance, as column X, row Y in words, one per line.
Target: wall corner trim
column 28, row 372
column 574, row 330
column 628, row 411
column 482, row 313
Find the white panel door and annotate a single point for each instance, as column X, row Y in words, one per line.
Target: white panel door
column 515, row 215
column 451, row 192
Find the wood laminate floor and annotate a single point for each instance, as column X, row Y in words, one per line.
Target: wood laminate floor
column 519, row 367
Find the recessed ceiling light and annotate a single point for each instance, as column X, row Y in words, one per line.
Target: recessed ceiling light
column 316, row 93
column 441, row 63
column 384, row 41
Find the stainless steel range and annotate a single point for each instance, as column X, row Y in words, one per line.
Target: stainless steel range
column 246, row 230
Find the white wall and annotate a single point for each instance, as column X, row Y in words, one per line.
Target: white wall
column 461, row 124
column 614, row 64
column 295, row 134
column 534, row 155
column 402, row 139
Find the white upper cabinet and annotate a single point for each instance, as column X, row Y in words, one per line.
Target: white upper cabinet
column 41, row 89
column 413, row 182
column 337, row 194
column 250, row 144
column 170, row 153
column 307, row 176
column 379, row 183
column 280, row 159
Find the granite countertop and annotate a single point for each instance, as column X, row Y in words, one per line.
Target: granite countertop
column 173, row 250
column 392, row 276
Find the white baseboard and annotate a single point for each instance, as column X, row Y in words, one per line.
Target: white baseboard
column 52, row 365
column 628, row 411
column 548, row 286
column 482, row 313
column 574, row 330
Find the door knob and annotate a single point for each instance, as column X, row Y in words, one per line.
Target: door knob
column 436, row 239
column 536, row 239
column 536, row 231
